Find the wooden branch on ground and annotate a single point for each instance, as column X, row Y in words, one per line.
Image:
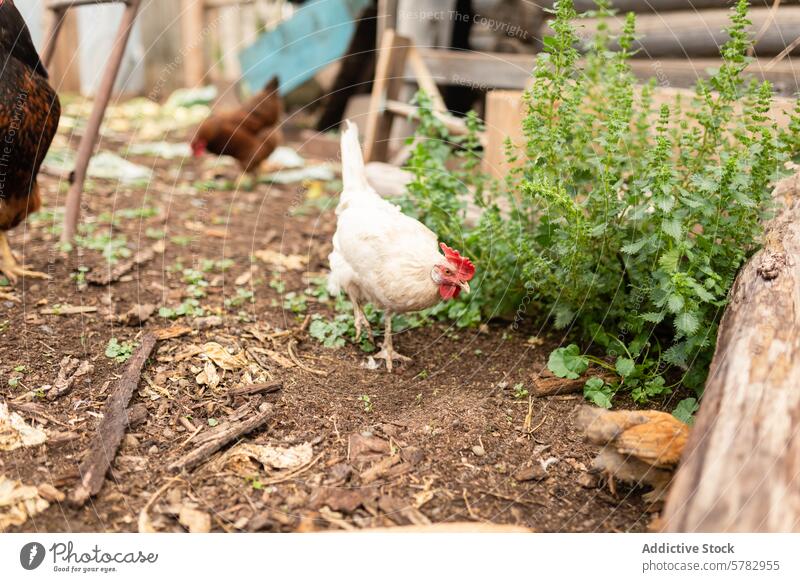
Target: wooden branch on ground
column 112, row 428
column 553, row 386
column 740, row 470
column 212, row 441
column 265, row 388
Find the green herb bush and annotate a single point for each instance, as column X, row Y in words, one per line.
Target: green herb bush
column 625, row 222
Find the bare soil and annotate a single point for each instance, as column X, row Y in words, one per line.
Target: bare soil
column 444, row 438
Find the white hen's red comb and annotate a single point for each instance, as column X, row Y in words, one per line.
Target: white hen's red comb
column 464, row 267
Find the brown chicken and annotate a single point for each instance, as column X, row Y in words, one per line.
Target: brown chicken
column 639, row 446
column 29, row 114
column 249, row 134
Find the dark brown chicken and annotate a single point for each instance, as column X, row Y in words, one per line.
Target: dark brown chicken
column 29, row 114
column 249, row 134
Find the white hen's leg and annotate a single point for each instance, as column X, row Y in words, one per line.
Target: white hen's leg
column 9, row 265
column 387, row 350
column 361, row 321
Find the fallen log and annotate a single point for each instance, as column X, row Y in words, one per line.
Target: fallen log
column 740, row 470
column 109, row 434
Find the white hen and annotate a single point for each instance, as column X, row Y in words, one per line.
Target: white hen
column 383, row 257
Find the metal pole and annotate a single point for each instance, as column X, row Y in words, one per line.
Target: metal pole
column 89, row 139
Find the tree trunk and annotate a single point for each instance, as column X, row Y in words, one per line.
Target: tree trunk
column 740, row 471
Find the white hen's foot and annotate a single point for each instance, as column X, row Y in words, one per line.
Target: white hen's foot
column 387, row 349
column 362, row 323
column 387, row 353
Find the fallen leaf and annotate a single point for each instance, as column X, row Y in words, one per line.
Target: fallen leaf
column 16, row 433
column 18, row 502
column 195, row 520
column 281, row 262
column 209, row 376
column 274, row 457
column 222, row 357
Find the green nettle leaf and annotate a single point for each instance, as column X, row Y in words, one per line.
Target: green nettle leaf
column 633, row 248
column 672, row 228
column 687, row 323
column 685, row 410
column 625, row 367
column 567, row 362
column 675, row 303
column 653, row 317
column 598, row 392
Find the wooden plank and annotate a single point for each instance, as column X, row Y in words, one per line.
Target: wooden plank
column 657, row 6
column 64, row 69
column 161, row 38
column 192, row 24
column 740, row 470
column 505, row 111
column 700, row 34
column 513, row 71
column 424, row 79
column 386, row 87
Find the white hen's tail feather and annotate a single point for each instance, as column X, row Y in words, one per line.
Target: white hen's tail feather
column 354, row 176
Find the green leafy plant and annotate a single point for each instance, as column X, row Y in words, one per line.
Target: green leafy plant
column 189, row 307
column 366, row 401
column 119, row 351
column 623, row 222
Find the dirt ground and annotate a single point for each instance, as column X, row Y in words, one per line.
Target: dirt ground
column 445, row 438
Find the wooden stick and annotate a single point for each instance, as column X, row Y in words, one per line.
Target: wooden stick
column 112, row 428
column 265, row 388
column 740, row 470
column 225, row 433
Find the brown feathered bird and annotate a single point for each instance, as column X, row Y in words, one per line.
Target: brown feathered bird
column 29, row 114
column 641, row 447
column 249, row 134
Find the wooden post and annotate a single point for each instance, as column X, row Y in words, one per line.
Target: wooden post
column 86, row 147
column 389, row 73
column 59, row 54
column 505, row 111
column 53, row 21
column 192, row 25
column 740, row 470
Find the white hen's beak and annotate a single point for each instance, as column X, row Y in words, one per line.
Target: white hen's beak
column 464, row 286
